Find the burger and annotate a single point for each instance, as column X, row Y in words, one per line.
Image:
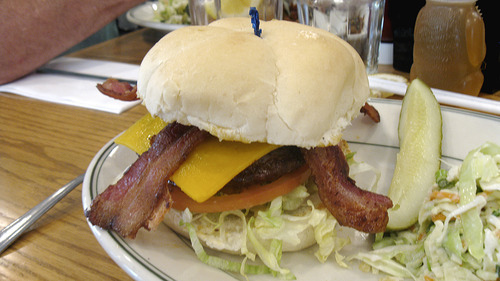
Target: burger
column 248, row 156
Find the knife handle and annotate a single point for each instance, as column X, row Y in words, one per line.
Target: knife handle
column 11, row 232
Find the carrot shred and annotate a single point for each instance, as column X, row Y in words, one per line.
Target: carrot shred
column 438, row 217
column 441, row 217
column 453, row 197
column 421, row 236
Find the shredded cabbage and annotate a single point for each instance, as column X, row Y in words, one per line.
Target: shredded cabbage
column 221, row 263
column 453, row 239
column 361, row 168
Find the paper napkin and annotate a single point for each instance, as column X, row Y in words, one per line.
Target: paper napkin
column 73, row 89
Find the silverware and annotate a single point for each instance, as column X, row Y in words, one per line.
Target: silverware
column 11, row 232
column 79, row 74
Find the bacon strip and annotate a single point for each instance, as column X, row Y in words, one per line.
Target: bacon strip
column 141, row 197
column 118, row 90
column 351, row 206
column 371, row 111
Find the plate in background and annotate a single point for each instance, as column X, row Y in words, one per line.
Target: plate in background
column 143, row 15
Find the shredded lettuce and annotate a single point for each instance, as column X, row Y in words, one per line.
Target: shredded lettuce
column 262, row 230
column 361, row 168
column 221, row 263
column 270, row 256
column 471, row 222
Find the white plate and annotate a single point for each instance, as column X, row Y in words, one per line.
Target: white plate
column 162, row 255
column 143, row 15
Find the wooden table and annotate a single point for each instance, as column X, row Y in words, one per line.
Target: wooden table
column 42, row 147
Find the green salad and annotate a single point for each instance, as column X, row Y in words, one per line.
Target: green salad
column 458, row 229
column 173, row 12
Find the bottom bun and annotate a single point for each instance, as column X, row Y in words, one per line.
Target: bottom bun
column 230, row 240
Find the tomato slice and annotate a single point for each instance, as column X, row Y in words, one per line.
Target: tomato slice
column 252, row 196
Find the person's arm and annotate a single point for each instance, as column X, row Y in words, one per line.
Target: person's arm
column 35, row 31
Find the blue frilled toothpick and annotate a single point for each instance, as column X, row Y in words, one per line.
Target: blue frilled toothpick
column 255, row 21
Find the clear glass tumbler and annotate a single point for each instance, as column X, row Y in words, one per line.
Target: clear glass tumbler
column 358, row 22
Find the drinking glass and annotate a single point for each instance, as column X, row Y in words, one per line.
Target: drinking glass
column 203, row 12
column 358, row 22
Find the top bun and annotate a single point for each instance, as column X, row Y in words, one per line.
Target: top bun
column 294, row 85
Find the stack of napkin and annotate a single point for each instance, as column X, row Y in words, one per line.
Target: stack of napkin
column 72, row 81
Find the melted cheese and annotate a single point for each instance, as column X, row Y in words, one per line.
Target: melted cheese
column 208, row 168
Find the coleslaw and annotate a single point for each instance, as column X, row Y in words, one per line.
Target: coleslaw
column 457, row 236
column 173, row 12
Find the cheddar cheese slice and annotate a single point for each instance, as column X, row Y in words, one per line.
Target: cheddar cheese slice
column 214, row 163
column 139, row 135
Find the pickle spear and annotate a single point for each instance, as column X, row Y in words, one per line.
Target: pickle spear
column 420, row 135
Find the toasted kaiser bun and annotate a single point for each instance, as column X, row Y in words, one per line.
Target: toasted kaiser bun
column 294, row 85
